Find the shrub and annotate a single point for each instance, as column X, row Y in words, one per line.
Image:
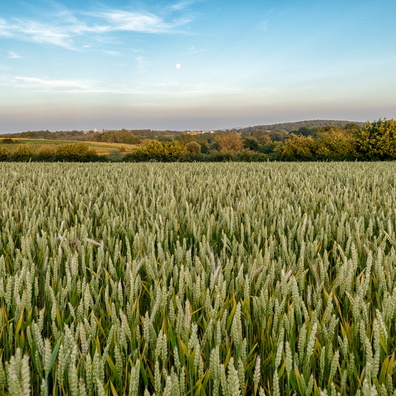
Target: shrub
column 3, row 154
column 154, row 150
column 76, row 152
column 47, row 150
column 221, row 155
column 9, row 141
column 23, row 152
column 193, row 147
column 149, row 150
column 251, row 156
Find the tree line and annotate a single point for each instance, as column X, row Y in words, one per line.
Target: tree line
column 296, row 125
column 372, row 141
column 74, row 152
column 126, row 136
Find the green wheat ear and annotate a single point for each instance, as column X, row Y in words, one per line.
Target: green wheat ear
column 197, row 279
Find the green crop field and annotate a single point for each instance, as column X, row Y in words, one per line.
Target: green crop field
column 198, row 279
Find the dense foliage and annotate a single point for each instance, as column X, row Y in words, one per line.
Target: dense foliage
column 154, row 150
column 377, row 140
column 111, row 136
column 370, row 142
column 298, row 125
column 74, row 152
column 373, row 141
column 197, row 279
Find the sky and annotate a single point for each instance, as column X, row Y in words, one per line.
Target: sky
column 194, row 64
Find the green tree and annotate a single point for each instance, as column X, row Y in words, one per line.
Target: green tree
column 174, row 150
column 204, row 144
column 278, row 135
column 305, row 131
column 154, row 150
column 297, row 147
column 377, row 140
column 228, row 141
column 334, row 143
column 264, row 140
column 75, row 152
column 3, row 154
column 193, row 147
column 251, row 143
column 258, row 133
column 353, row 127
column 185, row 138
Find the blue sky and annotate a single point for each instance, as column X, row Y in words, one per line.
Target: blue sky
column 194, row 64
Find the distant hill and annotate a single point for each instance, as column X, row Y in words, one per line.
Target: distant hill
column 110, row 136
column 293, row 126
column 133, row 136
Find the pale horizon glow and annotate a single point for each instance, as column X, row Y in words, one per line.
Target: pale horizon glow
column 196, row 64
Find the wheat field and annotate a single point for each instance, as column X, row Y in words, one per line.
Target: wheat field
column 197, row 279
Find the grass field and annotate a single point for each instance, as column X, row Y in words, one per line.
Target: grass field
column 198, row 279
column 99, row 147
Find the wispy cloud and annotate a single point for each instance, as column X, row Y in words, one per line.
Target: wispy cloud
column 70, row 86
column 112, row 53
column 43, row 84
column 13, row 55
column 141, row 63
column 157, row 90
column 67, row 26
column 43, row 33
column 181, row 5
column 4, row 29
column 193, row 50
column 117, row 20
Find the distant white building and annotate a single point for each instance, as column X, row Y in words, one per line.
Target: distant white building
column 93, row 131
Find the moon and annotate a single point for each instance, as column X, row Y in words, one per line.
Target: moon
column 178, row 65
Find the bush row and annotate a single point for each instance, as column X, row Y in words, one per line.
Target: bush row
column 153, row 151
column 76, row 152
column 157, row 151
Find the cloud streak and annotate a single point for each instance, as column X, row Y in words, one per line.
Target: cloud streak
column 117, row 20
column 180, row 5
column 13, row 55
column 42, row 33
column 69, row 86
column 67, row 26
column 42, row 84
column 4, row 29
column 155, row 90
